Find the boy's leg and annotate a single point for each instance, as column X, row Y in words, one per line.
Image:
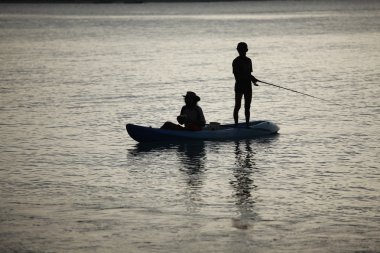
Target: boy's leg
column 238, row 97
column 247, row 106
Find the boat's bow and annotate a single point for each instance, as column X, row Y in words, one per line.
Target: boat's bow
column 266, row 126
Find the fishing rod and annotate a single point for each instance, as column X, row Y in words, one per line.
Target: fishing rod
column 278, row 86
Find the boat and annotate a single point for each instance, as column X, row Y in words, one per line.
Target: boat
column 213, row 132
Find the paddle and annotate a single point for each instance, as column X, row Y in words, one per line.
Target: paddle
column 278, row 86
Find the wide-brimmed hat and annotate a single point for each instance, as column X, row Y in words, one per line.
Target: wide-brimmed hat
column 192, row 95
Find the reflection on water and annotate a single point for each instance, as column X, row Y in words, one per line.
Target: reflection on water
column 141, row 148
column 243, row 183
column 192, row 157
column 243, row 179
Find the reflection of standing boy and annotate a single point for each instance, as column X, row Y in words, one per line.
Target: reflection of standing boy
column 242, row 69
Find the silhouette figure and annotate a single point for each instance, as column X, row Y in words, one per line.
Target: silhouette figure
column 242, row 69
column 191, row 115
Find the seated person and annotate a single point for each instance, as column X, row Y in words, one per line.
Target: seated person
column 191, row 115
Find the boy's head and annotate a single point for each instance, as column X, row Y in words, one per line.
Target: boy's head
column 242, row 48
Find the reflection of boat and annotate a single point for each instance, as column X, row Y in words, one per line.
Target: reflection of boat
column 222, row 132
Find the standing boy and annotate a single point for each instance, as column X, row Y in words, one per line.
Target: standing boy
column 242, row 69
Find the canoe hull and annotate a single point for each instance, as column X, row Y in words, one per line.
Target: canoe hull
column 224, row 132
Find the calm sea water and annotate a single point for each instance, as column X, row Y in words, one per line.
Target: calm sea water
column 72, row 76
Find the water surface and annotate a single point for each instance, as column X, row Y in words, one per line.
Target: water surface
column 72, row 76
